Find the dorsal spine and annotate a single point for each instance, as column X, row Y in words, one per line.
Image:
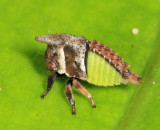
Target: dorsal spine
column 116, row 61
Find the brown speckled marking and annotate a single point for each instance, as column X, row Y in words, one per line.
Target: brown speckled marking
column 66, row 53
column 52, row 58
column 71, row 68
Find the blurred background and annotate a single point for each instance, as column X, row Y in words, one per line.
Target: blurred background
column 23, row 74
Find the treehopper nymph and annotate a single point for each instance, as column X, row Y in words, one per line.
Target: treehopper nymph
column 80, row 59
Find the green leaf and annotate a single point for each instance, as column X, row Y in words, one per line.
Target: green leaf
column 23, row 75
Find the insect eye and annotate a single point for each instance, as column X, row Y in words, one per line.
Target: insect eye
column 54, row 54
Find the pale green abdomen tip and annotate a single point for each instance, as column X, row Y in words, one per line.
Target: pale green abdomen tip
column 100, row 72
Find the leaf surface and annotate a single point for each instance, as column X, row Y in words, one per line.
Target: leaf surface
column 23, row 75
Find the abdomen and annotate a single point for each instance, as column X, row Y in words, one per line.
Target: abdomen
column 100, row 72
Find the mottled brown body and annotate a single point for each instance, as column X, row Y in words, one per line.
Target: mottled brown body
column 67, row 54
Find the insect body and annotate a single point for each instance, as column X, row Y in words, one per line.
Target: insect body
column 78, row 58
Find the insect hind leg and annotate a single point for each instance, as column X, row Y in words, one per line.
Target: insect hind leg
column 84, row 91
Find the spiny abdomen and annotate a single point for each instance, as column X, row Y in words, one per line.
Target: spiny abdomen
column 100, row 72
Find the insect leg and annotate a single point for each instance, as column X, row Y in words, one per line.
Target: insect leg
column 70, row 96
column 84, row 91
column 51, row 80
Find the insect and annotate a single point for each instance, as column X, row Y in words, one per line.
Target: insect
column 80, row 59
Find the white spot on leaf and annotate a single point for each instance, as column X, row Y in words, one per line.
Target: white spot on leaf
column 135, row 31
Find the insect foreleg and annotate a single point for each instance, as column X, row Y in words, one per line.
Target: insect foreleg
column 70, row 96
column 51, row 80
column 84, row 91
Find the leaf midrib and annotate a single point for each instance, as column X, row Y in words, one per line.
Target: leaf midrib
column 140, row 92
